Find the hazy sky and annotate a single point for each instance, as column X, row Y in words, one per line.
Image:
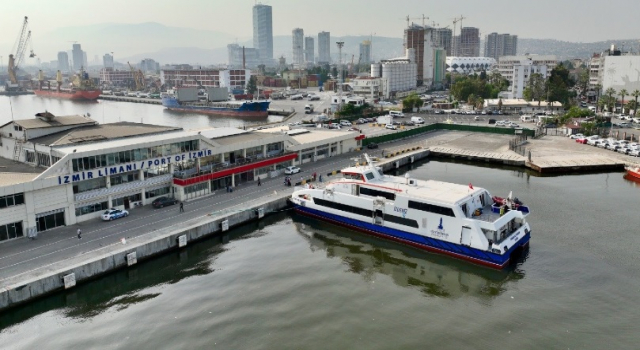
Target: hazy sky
column 570, row 20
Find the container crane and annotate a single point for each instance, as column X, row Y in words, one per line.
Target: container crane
column 23, row 40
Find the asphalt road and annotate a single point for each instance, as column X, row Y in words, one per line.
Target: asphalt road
column 21, row 256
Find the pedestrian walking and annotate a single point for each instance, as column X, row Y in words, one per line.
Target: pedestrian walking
column 320, row 178
column 181, row 207
column 79, row 234
column 314, row 176
column 259, row 182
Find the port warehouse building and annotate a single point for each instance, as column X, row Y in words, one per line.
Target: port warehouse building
column 229, row 78
column 63, row 170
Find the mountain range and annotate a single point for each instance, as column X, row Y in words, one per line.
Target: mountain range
column 165, row 44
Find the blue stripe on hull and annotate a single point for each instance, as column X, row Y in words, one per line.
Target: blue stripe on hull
column 477, row 256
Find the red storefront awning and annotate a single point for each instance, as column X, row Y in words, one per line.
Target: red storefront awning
column 235, row 170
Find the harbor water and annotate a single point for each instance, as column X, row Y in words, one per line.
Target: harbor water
column 289, row 282
column 103, row 111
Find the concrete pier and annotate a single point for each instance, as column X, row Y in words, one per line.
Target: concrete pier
column 64, row 264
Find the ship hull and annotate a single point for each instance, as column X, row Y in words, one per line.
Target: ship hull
column 246, row 109
column 68, row 95
column 634, row 174
column 476, row 256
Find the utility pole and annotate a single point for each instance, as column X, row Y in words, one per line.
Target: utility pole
column 340, row 45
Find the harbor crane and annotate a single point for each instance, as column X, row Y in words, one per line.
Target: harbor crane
column 20, row 46
column 138, row 77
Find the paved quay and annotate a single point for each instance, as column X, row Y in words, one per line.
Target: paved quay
column 32, row 268
column 549, row 154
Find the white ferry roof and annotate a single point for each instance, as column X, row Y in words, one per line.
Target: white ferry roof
column 431, row 190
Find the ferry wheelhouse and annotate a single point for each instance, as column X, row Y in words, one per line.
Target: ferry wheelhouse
column 465, row 222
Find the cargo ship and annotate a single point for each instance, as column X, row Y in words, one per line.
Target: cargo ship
column 82, row 88
column 215, row 102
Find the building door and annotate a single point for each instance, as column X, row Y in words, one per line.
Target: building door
column 49, row 220
column 126, row 203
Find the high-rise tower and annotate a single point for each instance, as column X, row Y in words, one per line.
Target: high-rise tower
column 263, row 31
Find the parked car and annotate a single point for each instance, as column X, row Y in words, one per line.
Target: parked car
column 576, row 136
column 391, row 127
column 112, row 214
column 314, row 98
column 635, row 152
column 492, row 121
column 163, row 202
column 372, row 145
column 550, row 126
column 353, row 129
column 291, row 170
column 408, row 123
column 345, row 123
column 592, row 142
column 582, row 140
column 623, row 150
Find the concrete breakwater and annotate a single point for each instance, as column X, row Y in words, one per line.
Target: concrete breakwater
column 66, row 273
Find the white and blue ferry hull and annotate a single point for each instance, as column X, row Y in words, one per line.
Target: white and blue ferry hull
column 477, row 256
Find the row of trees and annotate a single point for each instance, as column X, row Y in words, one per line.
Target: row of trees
column 608, row 101
column 557, row 87
column 478, row 86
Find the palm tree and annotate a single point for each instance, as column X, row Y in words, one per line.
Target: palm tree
column 635, row 94
column 610, row 92
column 598, row 89
column 622, row 94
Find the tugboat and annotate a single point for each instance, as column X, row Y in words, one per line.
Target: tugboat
column 461, row 221
column 633, row 173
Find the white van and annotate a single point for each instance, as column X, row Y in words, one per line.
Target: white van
column 526, row 118
column 396, row 114
column 417, row 120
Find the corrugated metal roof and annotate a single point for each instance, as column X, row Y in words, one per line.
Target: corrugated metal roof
column 103, row 132
column 40, row 123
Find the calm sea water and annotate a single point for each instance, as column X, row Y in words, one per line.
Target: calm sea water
column 26, row 106
column 290, row 282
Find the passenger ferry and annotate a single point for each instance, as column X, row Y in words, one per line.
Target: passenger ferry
column 465, row 222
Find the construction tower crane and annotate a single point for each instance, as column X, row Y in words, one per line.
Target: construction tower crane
column 455, row 21
column 351, row 67
column 23, row 40
column 138, row 77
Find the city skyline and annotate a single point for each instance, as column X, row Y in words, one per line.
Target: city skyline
column 382, row 17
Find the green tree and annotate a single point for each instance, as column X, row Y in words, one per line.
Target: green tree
column 611, row 100
column 635, row 94
column 536, row 87
column 583, row 81
column 251, row 85
column 334, row 72
column 623, row 93
column 558, row 84
column 598, row 89
column 500, row 104
column 479, row 103
column 412, row 101
column 471, row 100
column 632, row 106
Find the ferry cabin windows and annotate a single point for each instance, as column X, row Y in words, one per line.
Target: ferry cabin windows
column 367, row 213
column 431, row 208
column 369, row 175
column 376, row 193
column 11, row 200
